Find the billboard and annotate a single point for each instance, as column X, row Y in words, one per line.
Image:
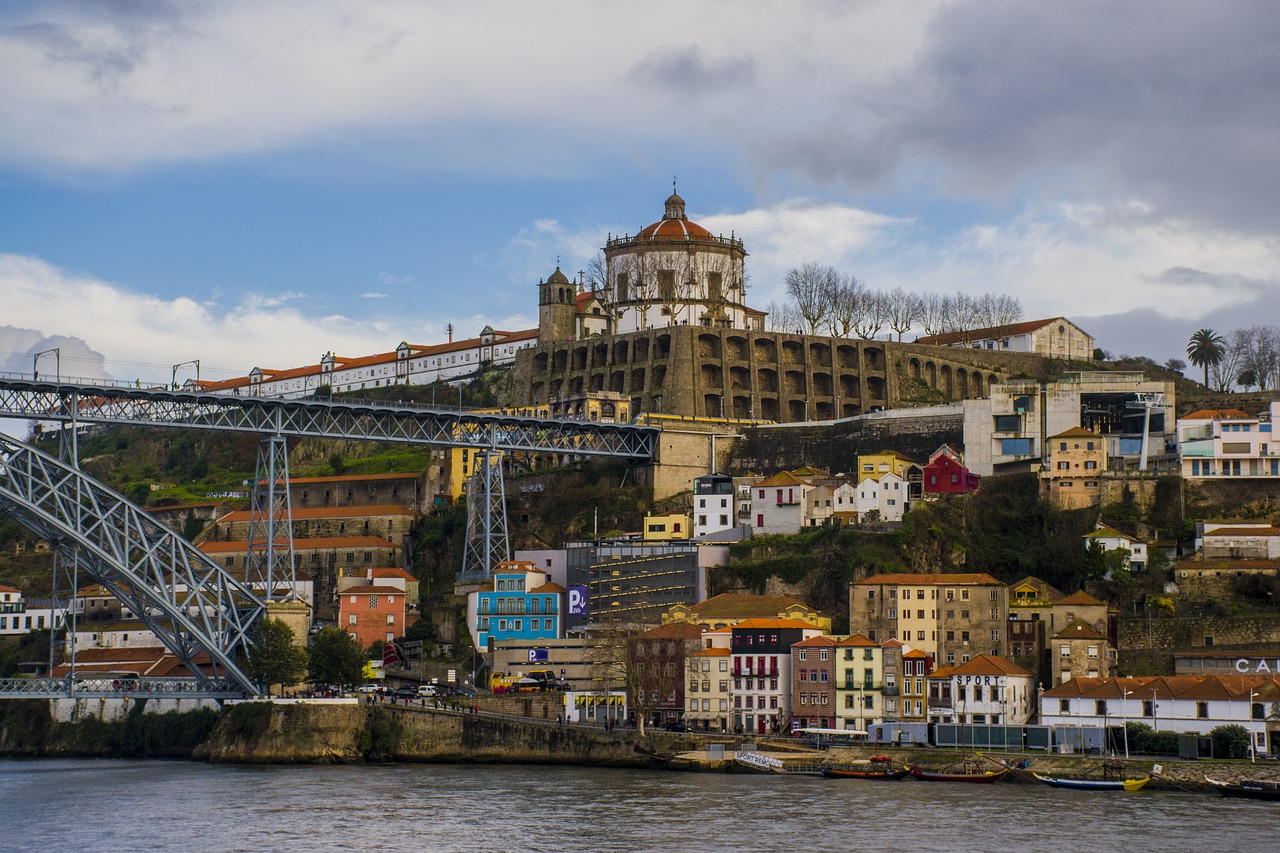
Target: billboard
column 537, row 655
column 578, row 601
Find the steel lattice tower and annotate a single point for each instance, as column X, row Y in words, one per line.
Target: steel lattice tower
column 270, row 558
column 487, row 542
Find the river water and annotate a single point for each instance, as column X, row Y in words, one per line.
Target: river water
column 104, row 806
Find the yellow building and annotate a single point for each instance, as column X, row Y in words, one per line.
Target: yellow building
column 730, row 608
column 666, row 526
column 876, row 465
column 1072, row 479
column 915, row 671
column 859, row 683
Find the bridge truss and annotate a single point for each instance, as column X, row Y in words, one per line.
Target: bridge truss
column 107, row 403
column 201, row 613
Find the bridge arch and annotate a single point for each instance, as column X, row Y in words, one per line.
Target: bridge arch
column 191, row 604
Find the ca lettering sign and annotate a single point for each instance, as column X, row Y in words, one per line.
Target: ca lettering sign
column 1245, row 666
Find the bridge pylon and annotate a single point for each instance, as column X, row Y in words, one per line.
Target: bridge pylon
column 487, row 540
column 270, row 564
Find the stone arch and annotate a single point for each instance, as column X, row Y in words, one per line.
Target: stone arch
column 711, row 375
column 663, row 345
column 560, row 361
column 793, row 382
column 600, row 354
column 739, row 378
column 819, row 353
column 637, row 379
column 766, row 351
column 659, row 375
column 873, row 358
column 962, row 383
column 741, row 406
column 948, row 385
column 850, row 387
column 709, row 346
column 735, row 348
column 847, row 356
column 767, row 379
column 876, row 388
column 822, row 386
column 792, row 352
column 580, row 358
column 618, row 381
column 620, row 352
column 913, row 367
column 769, row 408
column 931, row 374
column 796, row 410
column 540, row 362
column 641, row 352
column 597, row 382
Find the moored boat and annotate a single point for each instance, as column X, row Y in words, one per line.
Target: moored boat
column 1251, row 789
column 1102, row 783
column 967, row 771
column 878, row 767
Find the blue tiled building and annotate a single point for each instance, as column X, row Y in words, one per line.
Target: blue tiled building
column 518, row 603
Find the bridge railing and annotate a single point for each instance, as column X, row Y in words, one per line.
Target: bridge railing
column 115, row 687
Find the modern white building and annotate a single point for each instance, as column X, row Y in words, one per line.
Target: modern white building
column 1217, row 443
column 713, row 505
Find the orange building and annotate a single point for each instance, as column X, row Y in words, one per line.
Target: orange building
column 372, row 614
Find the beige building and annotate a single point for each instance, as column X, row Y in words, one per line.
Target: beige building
column 1080, row 651
column 1056, row 337
column 707, row 684
column 951, row 617
column 728, row 609
column 1076, row 461
column 394, row 522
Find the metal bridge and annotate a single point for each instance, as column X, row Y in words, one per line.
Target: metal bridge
column 201, row 613
column 112, row 403
column 192, row 604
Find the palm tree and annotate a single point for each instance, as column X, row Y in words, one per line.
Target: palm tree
column 1205, row 349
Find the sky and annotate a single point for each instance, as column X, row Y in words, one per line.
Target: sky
column 254, row 183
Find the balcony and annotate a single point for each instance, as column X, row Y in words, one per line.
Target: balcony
column 890, row 690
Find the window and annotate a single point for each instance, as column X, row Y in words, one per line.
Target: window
column 351, row 620
column 391, row 619
column 1202, row 710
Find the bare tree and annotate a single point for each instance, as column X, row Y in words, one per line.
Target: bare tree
column 1259, row 352
column 810, row 287
column 597, row 272
column 933, row 313
column 961, row 314
column 847, row 303
column 1223, row 373
column 873, row 315
column 648, row 665
column 902, row 309
column 997, row 310
column 783, row 317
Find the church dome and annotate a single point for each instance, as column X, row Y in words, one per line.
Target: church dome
column 674, row 225
column 558, row 277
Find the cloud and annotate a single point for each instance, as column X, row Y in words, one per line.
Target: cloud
column 686, row 71
column 373, row 295
column 130, row 334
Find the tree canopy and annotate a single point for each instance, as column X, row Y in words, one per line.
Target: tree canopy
column 336, row 658
column 275, row 658
column 1205, row 349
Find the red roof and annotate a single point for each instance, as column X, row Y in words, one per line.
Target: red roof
column 989, row 333
column 300, row 514
column 990, row 665
column 239, row 545
column 903, row 578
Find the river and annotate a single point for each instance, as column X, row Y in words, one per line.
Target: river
column 105, row 806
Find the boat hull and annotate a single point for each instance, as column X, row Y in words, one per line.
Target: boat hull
column 986, row 777
column 1245, row 791
column 879, row 775
column 1135, row 784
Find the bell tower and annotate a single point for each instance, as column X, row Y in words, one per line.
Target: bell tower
column 557, row 304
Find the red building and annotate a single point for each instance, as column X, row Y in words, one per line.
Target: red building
column 945, row 475
column 372, row 614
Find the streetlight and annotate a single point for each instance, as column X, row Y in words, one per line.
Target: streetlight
column 1124, row 713
column 1253, row 738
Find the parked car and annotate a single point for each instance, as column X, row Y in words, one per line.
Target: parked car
column 427, row 690
column 678, row 726
column 406, row 692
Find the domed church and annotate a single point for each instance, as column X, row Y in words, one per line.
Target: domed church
column 677, row 273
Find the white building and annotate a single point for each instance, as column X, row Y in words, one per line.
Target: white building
column 887, row 497
column 713, row 505
column 988, row 689
column 1110, row 539
column 788, row 501
column 1056, row 337
column 1229, row 443
column 1179, row 703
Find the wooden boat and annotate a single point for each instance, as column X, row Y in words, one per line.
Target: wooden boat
column 879, row 767
column 1253, row 789
column 970, row 771
column 1130, row 783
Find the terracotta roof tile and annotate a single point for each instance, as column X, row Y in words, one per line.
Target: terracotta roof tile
column 904, row 579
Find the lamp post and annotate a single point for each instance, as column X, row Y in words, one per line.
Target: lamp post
column 1253, row 739
column 1124, row 714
